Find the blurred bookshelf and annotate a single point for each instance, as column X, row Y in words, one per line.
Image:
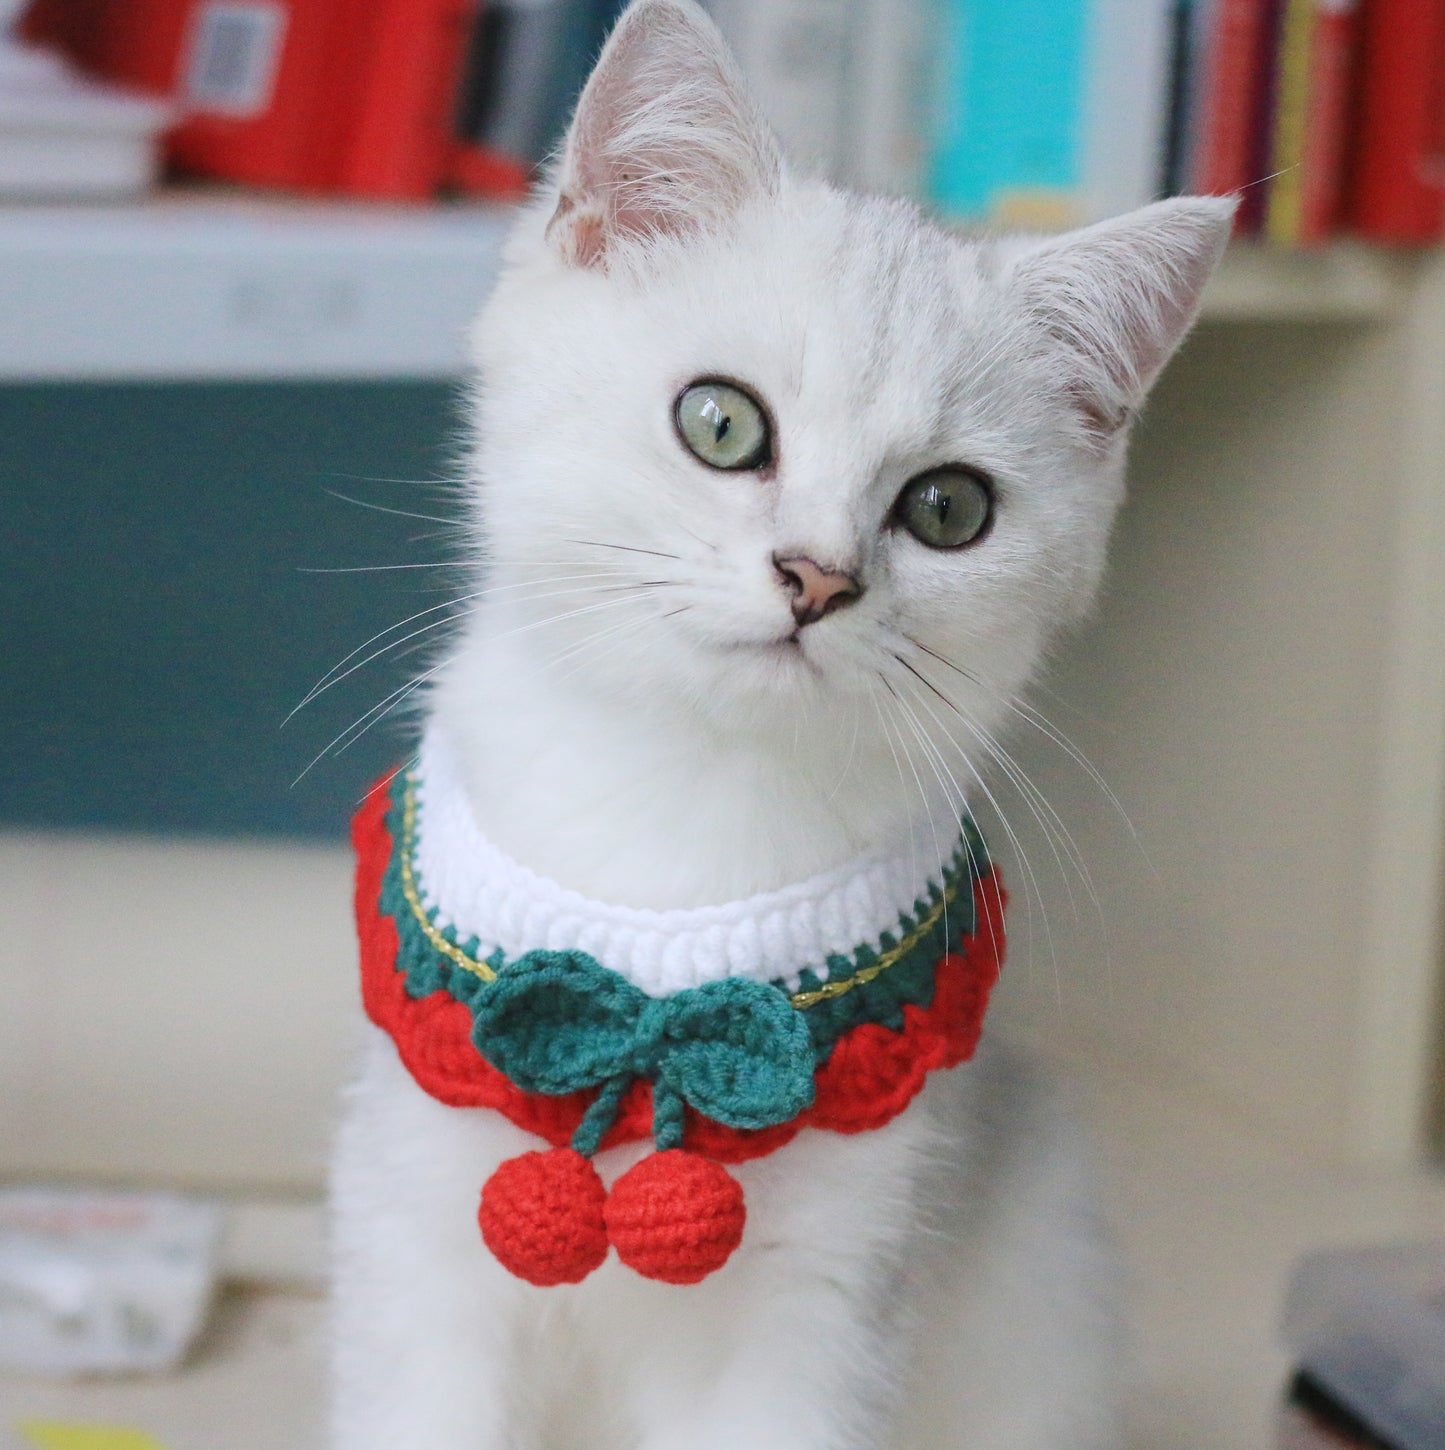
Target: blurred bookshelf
column 204, row 283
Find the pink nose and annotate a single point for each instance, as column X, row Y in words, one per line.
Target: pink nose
column 816, row 591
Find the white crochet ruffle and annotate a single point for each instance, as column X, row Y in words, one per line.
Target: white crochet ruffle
column 481, row 892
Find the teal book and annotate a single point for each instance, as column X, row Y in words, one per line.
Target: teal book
column 1049, row 113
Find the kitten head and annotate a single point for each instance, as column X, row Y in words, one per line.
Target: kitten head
column 754, row 449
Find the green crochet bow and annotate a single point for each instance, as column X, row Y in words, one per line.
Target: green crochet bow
column 735, row 1050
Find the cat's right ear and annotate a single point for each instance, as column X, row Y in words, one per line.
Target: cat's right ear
column 1115, row 299
column 666, row 139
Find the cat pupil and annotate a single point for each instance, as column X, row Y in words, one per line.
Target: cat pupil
column 721, row 421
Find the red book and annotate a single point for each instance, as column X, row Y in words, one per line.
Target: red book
column 250, row 77
column 480, row 171
column 1314, row 73
column 138, row 44
column 1234, row 57
column 1333, row 58
column 350, row 96
column 1263, row 105
column 400, row 111
column 1395, row 187
column 255, row 83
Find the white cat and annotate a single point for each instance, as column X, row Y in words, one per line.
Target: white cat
column 779, row 494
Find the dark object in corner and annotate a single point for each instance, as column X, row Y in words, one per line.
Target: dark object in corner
column 1319, row 1419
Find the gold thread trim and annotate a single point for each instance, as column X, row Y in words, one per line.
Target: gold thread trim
column 449, row 950
column 829, row 990
column 800, row 1000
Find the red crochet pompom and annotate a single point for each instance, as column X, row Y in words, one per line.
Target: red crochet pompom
column 541, row 1216
column 675, row 1216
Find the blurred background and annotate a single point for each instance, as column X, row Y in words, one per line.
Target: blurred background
column 241, row 242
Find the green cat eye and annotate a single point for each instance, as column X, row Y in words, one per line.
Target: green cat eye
column 946, row 508
column 723, row 425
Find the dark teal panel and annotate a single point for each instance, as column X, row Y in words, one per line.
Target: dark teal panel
column 156, row 624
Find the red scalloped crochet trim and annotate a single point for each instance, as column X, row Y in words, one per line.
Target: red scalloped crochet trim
column 872, row 1074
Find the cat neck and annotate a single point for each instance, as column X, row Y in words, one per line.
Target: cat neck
column 654, row 808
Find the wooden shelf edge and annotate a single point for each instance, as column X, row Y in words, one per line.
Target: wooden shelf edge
column 1344, row 282
column 218, row 284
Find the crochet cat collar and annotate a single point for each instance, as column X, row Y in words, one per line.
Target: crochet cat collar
column 719, row 1032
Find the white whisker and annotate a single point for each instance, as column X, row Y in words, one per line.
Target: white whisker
column 930, row 755
column 883, row 725
column 376, row 568
column 364, row 722
column 852, row 749
column 1033, row 892
column 337, row 672
column 1037, row 720
column 362, row 503
column 1013, row 775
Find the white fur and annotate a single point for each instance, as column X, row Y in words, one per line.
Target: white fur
column 641, row 728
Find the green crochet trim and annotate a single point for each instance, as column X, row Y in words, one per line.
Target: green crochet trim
column 872, row 984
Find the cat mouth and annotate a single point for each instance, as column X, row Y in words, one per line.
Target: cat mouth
column 781, row 644
column 784, row 648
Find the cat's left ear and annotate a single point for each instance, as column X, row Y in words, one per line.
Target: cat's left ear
column 666, row 138
column 1115, row 299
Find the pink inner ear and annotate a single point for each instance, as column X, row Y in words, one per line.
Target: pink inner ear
column 1103, row 419
column 588, row 240
column 578, row 234
column 665, row 141
column 1119, row 296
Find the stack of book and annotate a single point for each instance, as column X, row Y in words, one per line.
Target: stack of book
column 63, row 136
column 351, row 96
column 401, row 99
column 1326, row 115
column 1343, row 127
column 388, row 99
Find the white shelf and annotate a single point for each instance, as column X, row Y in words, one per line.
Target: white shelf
column 213, row 285
column 241, row 288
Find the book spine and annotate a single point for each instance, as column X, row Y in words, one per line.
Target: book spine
column 247, row 72
column 1186, row 26
column 398, row 140
column 1008, row 138
column 239, row 72
column 1393, row 192
column 1332, row 70
column 512, row 104
column 476, row 167
column 1284, row 200
column 525, row 67
column 138, row 43
column 1259, row 149
column 1434, row 161
column 1231, row 59
column 1126, row 120
column 56, row 23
